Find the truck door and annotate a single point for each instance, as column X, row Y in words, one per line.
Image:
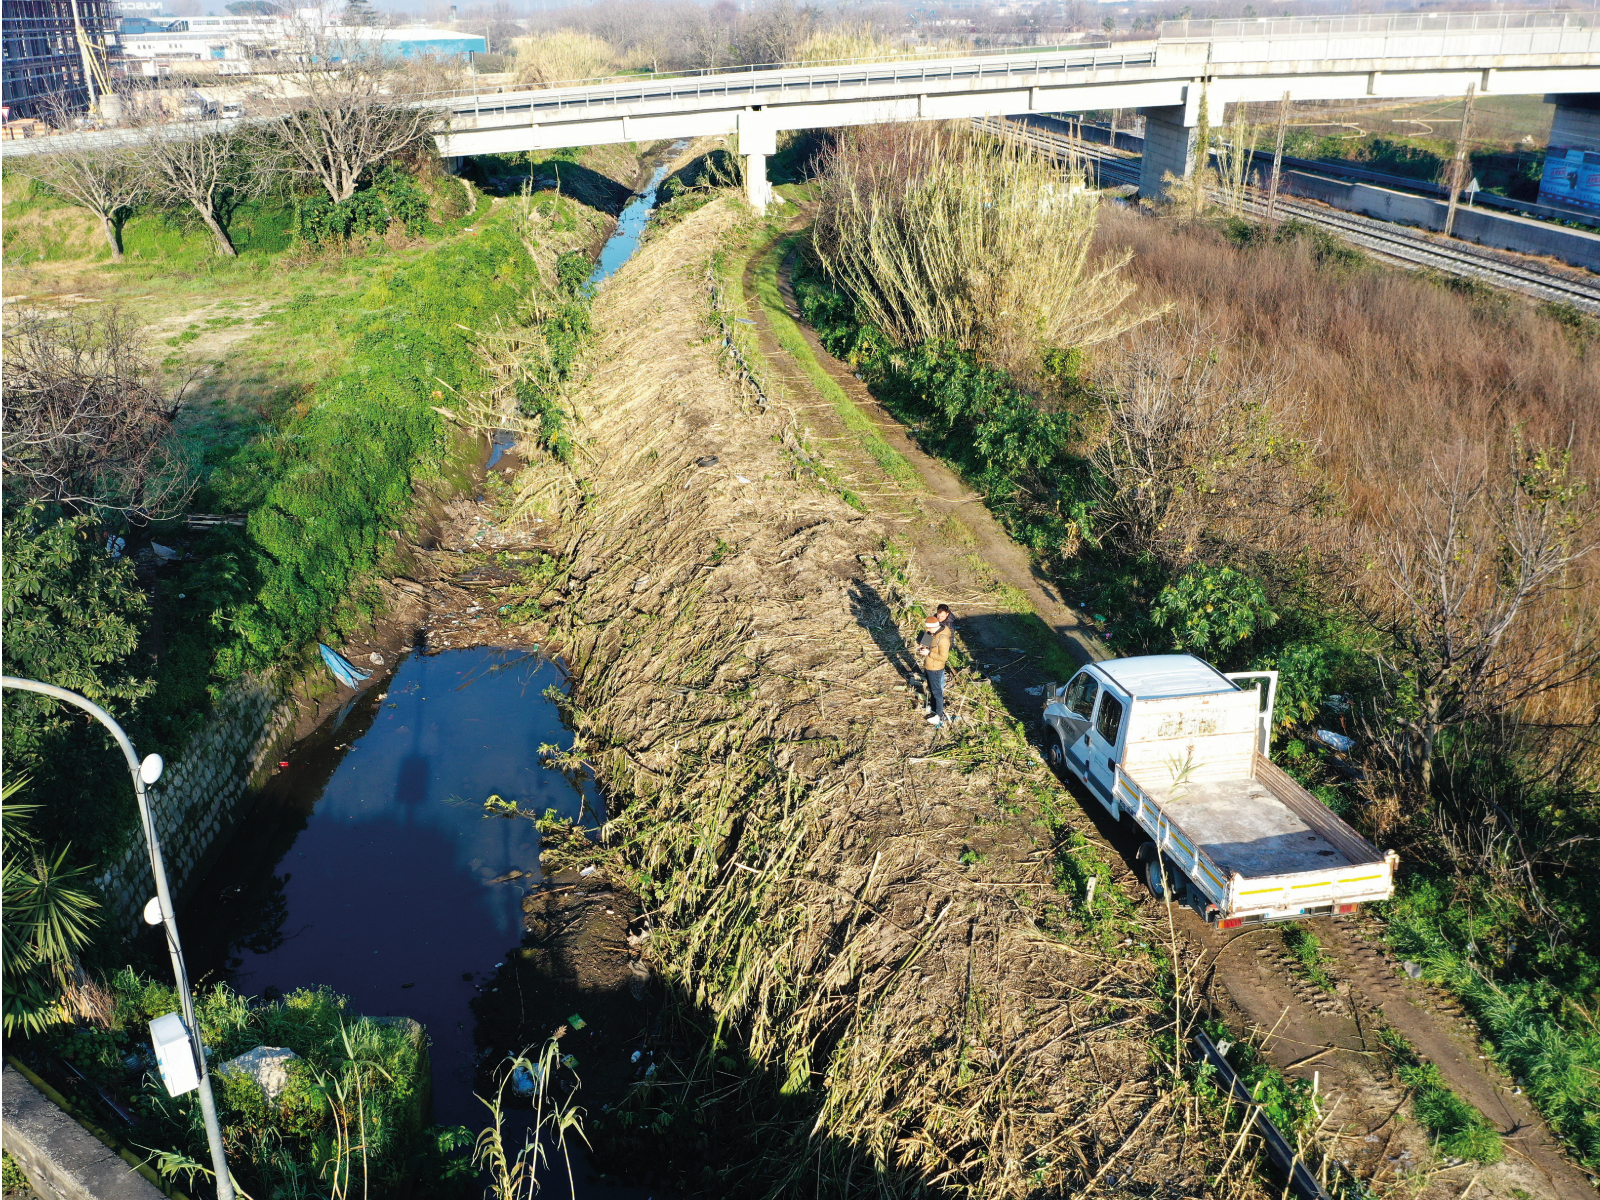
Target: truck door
column 1265, row 685
column 1105, row 745
column 1079, row 700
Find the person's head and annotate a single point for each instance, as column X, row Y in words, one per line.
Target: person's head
column 933, row 624
column 944, row 614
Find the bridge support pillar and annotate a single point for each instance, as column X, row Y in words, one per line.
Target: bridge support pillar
column 1169, row 145
column 757, row 188
column 1569, row 179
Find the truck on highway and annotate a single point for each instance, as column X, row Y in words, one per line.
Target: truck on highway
column 1180, row 749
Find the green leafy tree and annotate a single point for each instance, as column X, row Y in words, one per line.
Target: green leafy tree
column 48, row 919
column 73, row 617
column 1208, row 610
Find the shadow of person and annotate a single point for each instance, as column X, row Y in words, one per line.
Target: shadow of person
column 411, row 784
column 872, row 614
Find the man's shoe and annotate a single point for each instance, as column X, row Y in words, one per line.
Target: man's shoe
column 935, row 721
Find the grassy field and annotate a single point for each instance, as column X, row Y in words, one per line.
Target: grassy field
column 310, row 376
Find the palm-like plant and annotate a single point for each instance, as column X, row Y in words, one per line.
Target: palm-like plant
column 48, row 918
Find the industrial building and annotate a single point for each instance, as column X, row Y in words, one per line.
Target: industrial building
column 56, row 53
column 242, row 45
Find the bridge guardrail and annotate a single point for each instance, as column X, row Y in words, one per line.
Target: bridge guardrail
column 753, row 81
column 1397, row 23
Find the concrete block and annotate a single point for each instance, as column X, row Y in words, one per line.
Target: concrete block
column 59, row 1156
column 267, row 1065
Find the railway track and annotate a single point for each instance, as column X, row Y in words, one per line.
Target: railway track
column 1399, row 244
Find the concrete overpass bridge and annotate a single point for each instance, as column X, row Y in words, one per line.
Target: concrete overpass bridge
column 1407, row 56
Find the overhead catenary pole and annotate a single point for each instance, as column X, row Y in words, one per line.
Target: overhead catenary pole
column 1456, row 167
column 1277, row 158
column 208, row 1106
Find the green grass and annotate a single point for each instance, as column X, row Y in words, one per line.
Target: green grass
column 1457, row 1128
column 1534, row 1004
column 793, row 341
column 1306, row 951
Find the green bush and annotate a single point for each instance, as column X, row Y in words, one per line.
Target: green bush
column 1208, row 610
column 284, row 1146
column 391, row 196
column 73, row 617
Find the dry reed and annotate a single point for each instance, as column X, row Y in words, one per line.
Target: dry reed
column 940, row 233
column 797, row 835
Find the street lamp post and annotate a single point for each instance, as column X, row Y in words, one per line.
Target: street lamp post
column 144, row 773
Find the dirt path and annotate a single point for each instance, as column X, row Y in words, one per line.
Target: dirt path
column 946, row 496
column 1315, row 1035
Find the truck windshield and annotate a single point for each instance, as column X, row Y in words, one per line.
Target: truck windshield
column 1110, row 722
column 1080, row 695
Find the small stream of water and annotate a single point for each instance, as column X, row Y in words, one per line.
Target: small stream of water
column 624, row 240
column 369, row 864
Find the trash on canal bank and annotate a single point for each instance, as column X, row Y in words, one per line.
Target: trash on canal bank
column 343, row 669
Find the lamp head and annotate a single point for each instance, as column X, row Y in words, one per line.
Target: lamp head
column 150, row 769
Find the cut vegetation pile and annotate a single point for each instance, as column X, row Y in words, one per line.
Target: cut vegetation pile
column 857, row 914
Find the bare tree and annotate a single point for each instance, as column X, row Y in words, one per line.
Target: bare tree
column 106, row 182
column 1470, row 588
column 352, row 107
column 205, row 167
column 1198, row 460
column 772, row 31
column 86, row 423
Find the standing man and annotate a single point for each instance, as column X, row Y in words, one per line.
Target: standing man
column 933, row 648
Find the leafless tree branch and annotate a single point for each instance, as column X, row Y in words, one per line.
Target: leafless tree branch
column 86, row 424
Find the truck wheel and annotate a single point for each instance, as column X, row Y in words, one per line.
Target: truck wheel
column 1176, row 883
column 1057, row 759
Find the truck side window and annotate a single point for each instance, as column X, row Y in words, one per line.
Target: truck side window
column 1110, row 722
column 1080, row 695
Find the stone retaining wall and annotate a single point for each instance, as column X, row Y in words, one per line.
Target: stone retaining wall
column 199, row 797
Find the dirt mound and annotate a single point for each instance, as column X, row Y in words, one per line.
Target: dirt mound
column 867, row 901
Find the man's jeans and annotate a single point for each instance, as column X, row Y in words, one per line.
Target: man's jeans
column 936, row 692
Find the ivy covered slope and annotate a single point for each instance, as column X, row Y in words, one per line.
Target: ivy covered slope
column 323, row 472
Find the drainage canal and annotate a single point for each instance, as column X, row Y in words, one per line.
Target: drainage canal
column 370, row 864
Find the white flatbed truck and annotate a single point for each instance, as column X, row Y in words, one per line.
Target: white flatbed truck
column 1180, row 749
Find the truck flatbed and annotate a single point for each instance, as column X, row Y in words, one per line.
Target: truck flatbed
column 1244, row 829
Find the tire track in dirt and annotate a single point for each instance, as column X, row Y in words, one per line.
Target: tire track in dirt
column 1329, row 1038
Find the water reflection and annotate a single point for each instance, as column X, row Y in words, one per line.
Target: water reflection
column 369, row 864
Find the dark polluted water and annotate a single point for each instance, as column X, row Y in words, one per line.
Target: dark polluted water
column 369, row 864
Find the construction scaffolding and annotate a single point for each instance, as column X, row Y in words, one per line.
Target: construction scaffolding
column 55, row 55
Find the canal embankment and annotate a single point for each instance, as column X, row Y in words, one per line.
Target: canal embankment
column 879, row 971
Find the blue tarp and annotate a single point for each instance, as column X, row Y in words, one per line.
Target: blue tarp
column 343, row 669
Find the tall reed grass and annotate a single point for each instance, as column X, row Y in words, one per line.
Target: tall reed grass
column 941, row 234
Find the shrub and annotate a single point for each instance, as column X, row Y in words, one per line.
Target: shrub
column 1208, row 610
column 278, row 1146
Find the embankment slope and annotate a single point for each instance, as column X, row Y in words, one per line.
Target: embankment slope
column 866, row 903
